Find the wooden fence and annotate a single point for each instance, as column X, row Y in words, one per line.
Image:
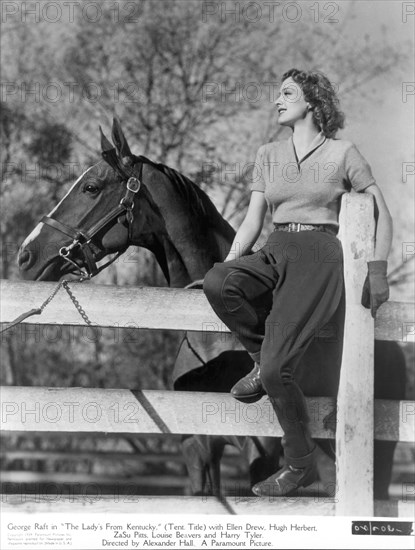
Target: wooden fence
column 360, row 419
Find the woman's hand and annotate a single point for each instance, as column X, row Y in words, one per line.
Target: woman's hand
column 375, row 288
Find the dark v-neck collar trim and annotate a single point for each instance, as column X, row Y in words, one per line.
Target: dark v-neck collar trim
column 315, row 144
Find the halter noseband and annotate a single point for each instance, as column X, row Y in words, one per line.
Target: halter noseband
column 82, row 239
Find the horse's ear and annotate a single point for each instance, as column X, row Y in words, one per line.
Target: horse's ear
column 106, row 145
column 119, row 139
column 109, row 154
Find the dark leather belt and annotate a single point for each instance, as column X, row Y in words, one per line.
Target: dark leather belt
column 292, row 226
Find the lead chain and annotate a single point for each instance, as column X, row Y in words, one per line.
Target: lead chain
column 39, row 310
column 53, row 294
column 76, row 303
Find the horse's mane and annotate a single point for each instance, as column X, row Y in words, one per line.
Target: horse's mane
column 189, row 191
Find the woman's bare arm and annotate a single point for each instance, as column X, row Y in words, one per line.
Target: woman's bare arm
column 250, row 228
column 384, row 226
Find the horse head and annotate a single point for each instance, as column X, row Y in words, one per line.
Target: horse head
column 106, row 210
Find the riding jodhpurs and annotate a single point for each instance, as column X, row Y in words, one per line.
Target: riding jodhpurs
column 275, row 301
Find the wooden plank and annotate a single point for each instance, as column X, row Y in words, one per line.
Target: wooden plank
column 126, row 504
column 120, row 411
column 395, row 321
column 138, row 307
column 138, row 457
column 401, row 490
column 94, row 410
column 395, row 420
column 355, row 402
column 150, row 308
column 91, row 455
column 167, row 505
column 16, row 477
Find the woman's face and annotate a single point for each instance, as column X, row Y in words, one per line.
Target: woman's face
column 290, row 103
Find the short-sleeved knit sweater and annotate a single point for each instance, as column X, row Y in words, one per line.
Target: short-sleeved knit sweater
column 309, row 190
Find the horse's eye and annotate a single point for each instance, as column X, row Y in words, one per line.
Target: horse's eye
column 90, row 188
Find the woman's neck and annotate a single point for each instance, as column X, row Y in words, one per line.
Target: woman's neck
column 303, row 135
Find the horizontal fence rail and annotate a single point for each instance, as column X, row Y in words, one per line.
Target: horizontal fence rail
column 153, row 308
column 121, row 411
column 160, row 480
column 30, row 454
column 235, row 505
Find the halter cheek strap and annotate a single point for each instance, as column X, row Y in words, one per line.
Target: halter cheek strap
column 82, row 238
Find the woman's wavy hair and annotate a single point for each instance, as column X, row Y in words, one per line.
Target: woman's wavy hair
column 320, row 93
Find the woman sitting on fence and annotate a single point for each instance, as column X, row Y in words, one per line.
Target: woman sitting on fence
column 277, row 299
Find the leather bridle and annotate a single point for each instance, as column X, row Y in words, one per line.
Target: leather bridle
column 82, row 238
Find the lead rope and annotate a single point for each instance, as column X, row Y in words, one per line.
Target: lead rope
column 39, row 310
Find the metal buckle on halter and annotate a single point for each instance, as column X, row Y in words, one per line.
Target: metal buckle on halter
column 66, row 250
column 133, row 185
column 294, row 226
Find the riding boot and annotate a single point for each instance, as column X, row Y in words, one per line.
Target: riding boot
column 297, row 472
column 249, row 388
column 300, row 468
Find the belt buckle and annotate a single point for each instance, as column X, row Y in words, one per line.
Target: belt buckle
column 293, row 226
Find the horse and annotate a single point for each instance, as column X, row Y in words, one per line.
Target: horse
column 126, row 200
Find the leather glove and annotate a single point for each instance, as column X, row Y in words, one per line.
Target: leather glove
column 375, row 288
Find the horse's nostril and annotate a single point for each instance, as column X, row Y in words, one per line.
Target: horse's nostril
column 25, row 259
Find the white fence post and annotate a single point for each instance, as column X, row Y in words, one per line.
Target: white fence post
column 355, row 403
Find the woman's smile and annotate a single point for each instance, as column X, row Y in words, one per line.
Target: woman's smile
column 290, row 103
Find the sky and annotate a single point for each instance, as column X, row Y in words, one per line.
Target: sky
column 385, row 130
